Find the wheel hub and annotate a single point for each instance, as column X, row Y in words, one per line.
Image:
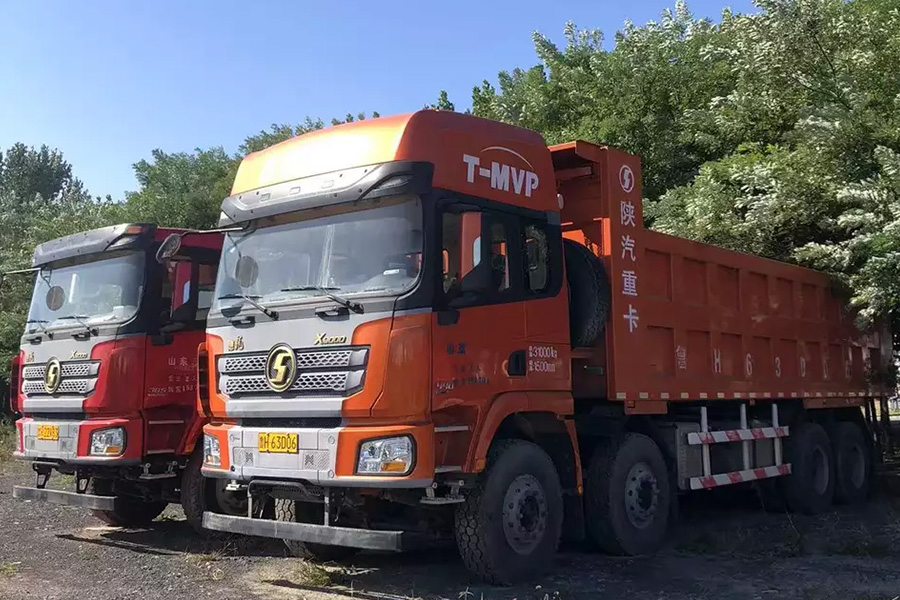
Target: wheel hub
column 524, row 514
column 641, row 495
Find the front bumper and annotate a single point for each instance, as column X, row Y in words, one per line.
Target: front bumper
column 325, row 457
column 74, row 439
column 65, row 498
column 365, row 539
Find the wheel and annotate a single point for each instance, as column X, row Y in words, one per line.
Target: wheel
column 293, row 511
column 627, row 496
column 128, row 511
column 509, row 527
column 852, row 463
column 589, row 294
column 810, row 486
column 200, row 494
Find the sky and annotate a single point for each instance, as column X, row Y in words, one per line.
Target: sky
column 107, row 81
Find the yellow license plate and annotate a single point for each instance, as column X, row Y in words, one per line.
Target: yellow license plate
column 48, row 432
column 278, row 442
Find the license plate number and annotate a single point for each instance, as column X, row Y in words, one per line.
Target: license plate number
column 48, row 432
column 286, row 443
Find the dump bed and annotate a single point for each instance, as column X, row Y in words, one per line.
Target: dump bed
column 690, row 321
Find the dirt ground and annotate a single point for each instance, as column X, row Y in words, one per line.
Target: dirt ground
column 723, row 546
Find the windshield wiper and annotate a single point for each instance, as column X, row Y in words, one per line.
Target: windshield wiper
column 326, row 291
column 80, row 318
column 41, row 323
column 252, row 300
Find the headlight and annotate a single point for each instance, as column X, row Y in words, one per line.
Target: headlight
column 108, row 442
column 393, row 456
column 211, row 454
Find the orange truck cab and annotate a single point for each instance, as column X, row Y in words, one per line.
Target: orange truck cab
column 434, row 326
column 106, row 375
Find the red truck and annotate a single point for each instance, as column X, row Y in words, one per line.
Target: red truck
column 435, row 326
column 106, row 376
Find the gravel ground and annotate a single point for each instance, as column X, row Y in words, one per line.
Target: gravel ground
column 723, row 547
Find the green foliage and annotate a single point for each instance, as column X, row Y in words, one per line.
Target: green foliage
column 776, row 132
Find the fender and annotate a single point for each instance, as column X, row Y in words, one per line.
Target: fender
column 504, row 405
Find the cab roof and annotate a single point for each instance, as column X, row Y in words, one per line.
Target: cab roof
column 470, row 155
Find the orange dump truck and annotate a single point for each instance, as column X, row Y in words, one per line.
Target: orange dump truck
column 434, row 326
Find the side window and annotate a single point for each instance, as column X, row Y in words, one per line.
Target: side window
column 206, row 285
column 475, row 256
column 537, row 258
column 499, row 258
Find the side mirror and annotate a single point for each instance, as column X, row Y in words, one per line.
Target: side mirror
column 169, row 248
column 246, row 272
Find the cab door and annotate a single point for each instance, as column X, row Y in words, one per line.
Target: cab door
column 479, row 328
column 171, row 371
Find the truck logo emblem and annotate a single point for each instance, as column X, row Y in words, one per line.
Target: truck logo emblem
column 322, row 339
column 626, row 178
column 78, row 354
column 501, row 175
column 236, row 345
column 52, row 376
column 281, row 368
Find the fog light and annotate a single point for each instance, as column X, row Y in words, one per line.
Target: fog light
column 211, row 454
column 108, row 442
column 386, row 456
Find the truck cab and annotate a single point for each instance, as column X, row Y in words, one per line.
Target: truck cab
column 106, row 374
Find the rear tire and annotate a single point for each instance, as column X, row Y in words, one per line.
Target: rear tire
column 809, row 488
column 627, row 496
column 293, row 511
column 509, row 527
column 589, row 294
column 128, row 511
column 852, row 463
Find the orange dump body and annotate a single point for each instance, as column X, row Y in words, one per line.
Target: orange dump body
column 693, row 321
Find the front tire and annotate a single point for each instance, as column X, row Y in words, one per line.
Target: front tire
column 509, row 527
column 128, row 511
column 293, row 511
column 627, row 496
column 200, row 494
column 809, row 488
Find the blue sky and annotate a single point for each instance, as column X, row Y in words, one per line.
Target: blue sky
column 107, row 81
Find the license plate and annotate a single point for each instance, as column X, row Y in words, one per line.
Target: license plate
column 286, row 443
column 48, row 432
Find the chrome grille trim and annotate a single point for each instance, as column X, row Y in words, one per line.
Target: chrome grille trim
column 69, row 369
column 306, row 359
column 321, row 382
column 66, row 386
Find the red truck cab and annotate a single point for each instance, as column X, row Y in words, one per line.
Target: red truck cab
column 105, row 377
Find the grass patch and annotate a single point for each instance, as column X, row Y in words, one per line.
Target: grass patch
column 7, row 439
column 9, row 569
column 311, row 574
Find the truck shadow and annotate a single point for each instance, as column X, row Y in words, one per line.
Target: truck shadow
column 167, row 538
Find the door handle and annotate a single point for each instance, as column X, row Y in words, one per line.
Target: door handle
column 516, row 366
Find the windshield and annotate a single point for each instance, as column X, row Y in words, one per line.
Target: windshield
column 107, row 290
column 370, row 251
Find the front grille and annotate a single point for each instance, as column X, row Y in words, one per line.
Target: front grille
column 83, row 369
column 326, row 383
column 66, row 386
column 332, row 372
column 76, row 378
